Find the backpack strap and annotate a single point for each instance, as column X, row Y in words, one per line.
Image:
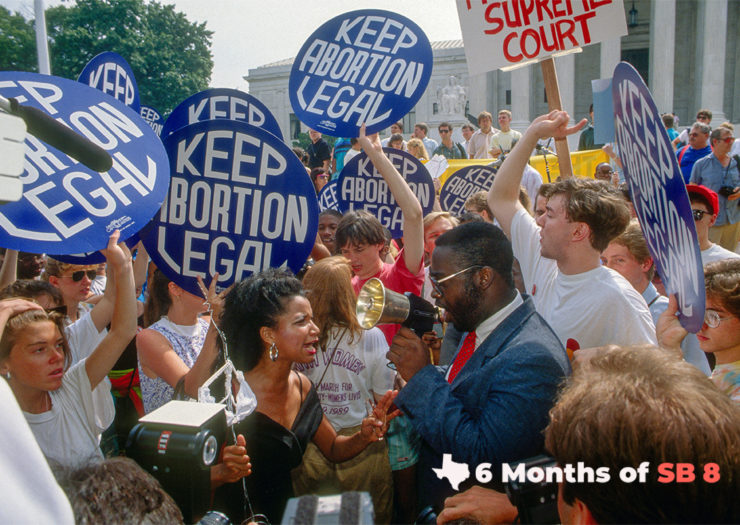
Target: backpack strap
column 681, row 153
column 464, row 153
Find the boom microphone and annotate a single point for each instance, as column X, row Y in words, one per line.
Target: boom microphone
column 44, row 127
column 543, row 150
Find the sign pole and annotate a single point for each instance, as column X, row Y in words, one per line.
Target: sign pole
column 552, row 90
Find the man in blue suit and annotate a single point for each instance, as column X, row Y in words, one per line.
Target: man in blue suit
column 492, row 403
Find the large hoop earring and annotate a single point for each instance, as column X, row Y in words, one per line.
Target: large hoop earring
column 273, row 352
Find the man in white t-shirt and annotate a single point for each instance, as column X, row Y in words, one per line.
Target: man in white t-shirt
column 504, row 140
column 705, row 208
column 586, row 304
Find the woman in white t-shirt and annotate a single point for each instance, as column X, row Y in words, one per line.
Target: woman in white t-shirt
column 67, row 409
column 349, row 373
column 169, row 347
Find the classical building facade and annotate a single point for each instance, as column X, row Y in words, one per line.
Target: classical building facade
column 686, row 50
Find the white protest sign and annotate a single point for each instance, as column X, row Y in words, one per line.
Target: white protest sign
column 508, row 32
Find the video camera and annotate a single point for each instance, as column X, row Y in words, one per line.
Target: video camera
column 177, row 444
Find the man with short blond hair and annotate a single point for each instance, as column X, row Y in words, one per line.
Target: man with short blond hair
column 504, row 140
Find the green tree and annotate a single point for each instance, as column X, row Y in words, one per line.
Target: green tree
column 17, row 43
column 170, row 56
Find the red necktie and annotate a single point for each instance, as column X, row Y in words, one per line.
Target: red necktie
column 463, row 355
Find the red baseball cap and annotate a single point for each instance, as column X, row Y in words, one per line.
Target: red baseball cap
column 708, row 194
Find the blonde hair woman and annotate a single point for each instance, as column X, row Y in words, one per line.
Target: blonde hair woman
column 417, row 149
column 349, row 371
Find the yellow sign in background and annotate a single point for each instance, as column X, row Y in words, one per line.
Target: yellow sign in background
column 584, row 164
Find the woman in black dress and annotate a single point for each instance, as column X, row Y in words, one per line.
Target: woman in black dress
column 268, row 326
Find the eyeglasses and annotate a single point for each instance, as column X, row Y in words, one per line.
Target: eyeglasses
column 727, row 140
column 437, row 282
column 444, row 130
column 322, row 176
column 712, row 318
column 699, row 214
column 79, row 274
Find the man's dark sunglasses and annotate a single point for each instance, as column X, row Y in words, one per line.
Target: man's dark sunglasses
column 699, row 214
column 79, row 274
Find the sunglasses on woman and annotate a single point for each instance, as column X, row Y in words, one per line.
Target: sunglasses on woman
column 79, row 274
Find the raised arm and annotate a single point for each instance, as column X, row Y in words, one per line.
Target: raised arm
column 503, row 197
column 201, row 369
column 413, row 216
column 123, row 323
column 8, row 270
column 102, row 313
column 141, row 264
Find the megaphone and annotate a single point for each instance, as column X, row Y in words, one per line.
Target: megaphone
column 378, row 305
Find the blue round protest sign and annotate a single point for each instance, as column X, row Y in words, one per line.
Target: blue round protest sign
column 67, row 207
column 462, row 184
column 361, row 187
column 328, row 197
column 240, row 202
column 368, row 66
column 153, row 118
column 222, row 103
column 658, row 193
column 92, row 257
column 110, row 73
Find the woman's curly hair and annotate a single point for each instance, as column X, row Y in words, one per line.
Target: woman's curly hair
column 253, row 303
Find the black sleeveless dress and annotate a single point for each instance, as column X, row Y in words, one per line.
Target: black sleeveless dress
column 273, row 451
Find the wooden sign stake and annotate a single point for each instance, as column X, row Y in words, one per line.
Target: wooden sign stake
column 552, row 89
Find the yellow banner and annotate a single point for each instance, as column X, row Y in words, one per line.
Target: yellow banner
column 584, row 164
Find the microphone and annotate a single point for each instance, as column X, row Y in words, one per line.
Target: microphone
column 44, row 127
column 542, row 150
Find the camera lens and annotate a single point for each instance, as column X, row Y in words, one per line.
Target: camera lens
column 213, row 517
column 210, row 450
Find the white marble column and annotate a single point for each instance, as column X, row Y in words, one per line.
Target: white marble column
column 477, row 94
column 611, row 54
column 566, row 68
column 520, row 92
column 714, row 30
column 662, row 52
